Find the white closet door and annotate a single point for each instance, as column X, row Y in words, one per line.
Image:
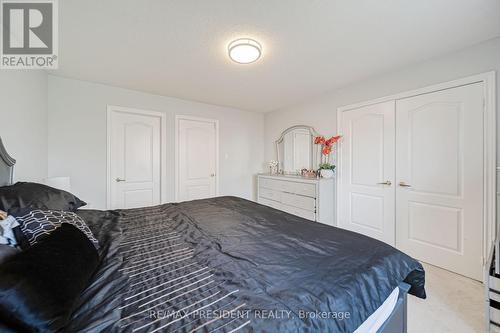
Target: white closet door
column 197, row 159
column 439, row 170
column 367, row 171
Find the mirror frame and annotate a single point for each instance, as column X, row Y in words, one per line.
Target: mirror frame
column 311, row 130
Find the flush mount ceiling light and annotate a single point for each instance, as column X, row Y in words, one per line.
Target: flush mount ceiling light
column 244, row 50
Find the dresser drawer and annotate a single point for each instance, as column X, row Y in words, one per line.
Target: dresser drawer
column 301, row 188
column 299, row 201
column 494, row 283
column 273, row 184
column 270, row 203
column 307, row 214
column 494, row 314
column 289, row 186
column 270, row 194
column 311, row 199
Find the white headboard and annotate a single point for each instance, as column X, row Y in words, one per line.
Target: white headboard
column 6, row 166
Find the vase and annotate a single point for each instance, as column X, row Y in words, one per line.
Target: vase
column 326, row 173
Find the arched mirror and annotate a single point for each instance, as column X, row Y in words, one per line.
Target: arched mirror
column 6, row 166
column 295, row 149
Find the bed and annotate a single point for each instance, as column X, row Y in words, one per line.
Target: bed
column 227, row 264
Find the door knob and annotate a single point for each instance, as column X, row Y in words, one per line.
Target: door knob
column 119, row 180
column 387, row 182
column 403, row 184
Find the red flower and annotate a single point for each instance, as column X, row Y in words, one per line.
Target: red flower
column 326, row 150
column 332, row 140
column 319, row 140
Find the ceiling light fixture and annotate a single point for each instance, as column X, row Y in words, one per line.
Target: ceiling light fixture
column 244, row 50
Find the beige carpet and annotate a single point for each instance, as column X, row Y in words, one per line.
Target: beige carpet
column 454, row 304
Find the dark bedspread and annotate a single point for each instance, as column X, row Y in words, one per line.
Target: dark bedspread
column 228, row 264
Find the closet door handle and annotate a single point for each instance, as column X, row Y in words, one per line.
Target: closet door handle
column 387, row 182
column 119, row 180
column 403, row 184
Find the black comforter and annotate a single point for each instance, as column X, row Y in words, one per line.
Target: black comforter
column 228, row 264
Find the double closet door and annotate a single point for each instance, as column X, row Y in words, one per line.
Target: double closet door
column 411, row 175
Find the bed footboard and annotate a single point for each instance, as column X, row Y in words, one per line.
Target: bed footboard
column 397, row 321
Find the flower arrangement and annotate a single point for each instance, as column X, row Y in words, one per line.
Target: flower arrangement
column 326, row 166
column 326, row 145
column 273, row 167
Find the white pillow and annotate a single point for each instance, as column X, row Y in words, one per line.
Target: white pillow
column 6, row 233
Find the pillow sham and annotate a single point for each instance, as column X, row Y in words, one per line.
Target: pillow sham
column 40, row 286
column 23, row 194
column 7, row 233
column 37, row 224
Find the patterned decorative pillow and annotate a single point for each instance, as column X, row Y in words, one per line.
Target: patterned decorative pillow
column 37, row 224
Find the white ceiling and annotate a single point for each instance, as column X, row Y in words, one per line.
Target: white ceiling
column 179, row 48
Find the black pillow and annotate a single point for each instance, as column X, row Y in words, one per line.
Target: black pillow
column 36, row 195
column 36, row 224
column 7, row 251
column 39, row 286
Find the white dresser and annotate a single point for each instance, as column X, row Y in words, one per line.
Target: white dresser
column 313, row 199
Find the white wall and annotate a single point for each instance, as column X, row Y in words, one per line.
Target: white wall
column 77, row 137
column 23, row 125
column 321, row 111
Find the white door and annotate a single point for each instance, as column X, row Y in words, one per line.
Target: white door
column 134, row 159
column 366, row 202
column 197, row 158
column 439, row 170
